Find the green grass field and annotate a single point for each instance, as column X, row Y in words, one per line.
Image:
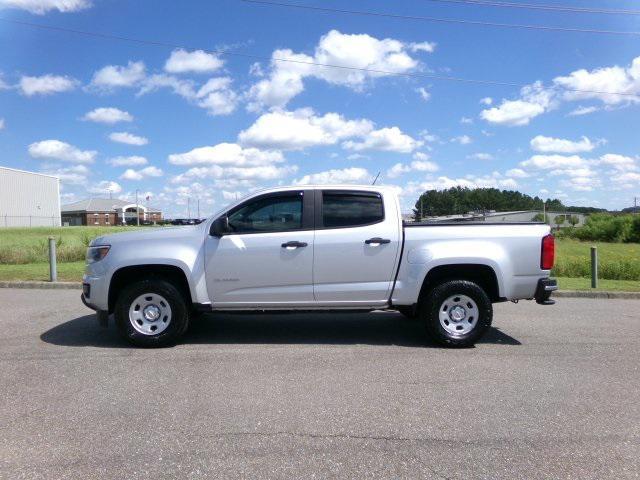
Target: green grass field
column 23, row 256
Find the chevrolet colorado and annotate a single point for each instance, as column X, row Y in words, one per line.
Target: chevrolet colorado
column 317, row 248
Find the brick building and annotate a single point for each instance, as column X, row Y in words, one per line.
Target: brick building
column 107, row 211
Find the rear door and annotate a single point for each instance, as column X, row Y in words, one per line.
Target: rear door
column 357, row 242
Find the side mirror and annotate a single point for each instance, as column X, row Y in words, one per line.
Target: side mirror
column 220, row 226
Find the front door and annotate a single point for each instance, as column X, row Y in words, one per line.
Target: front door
column 267, row 258
column 356, row 248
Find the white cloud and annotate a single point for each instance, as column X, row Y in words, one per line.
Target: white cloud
column 417, row 166
column 116, row 76
column 1, row 123
column 229, row 174
column 424, row 94
column 216, row 95
column 105, row 187
column 606, row 79
column 544, row 144
column 582, row 184
column 57, row 150
column 516, row 173
column 131, row 161
column 150, row 171
column 108, row 115
column 466, row 121
column 548, row 162
column 535, row 100
column 487, row 181
column 486, row 101
column 626, row 180
column 40, row 7
column 336, row 176
column 73, row 175
column 387, row 140
column 226, row 154
column 583, row 111
column 480, row 156
column 196, row 61
column 128, row 138
column 619, row 162
column 462, row 140
column 46, row 85
column 361, row 51
column 301, row 129
column 428, row 47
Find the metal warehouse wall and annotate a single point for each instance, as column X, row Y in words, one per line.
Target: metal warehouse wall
column 28, row 199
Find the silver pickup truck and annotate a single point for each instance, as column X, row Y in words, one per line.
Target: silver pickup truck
column 317, row 248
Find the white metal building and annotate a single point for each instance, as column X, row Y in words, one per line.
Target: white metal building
column 28, row 199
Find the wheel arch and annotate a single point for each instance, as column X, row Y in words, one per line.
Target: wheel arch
column 482, row 274
column 126, row 275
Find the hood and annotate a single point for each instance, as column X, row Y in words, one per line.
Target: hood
column 149, row 234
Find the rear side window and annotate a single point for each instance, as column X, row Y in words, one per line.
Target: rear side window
column 351, row 209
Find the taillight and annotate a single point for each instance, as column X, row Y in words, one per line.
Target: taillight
column 548, row 252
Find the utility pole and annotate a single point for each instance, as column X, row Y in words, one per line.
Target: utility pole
column 137, row 210
column 544, row 212
column 198, row 208
column 188, row 207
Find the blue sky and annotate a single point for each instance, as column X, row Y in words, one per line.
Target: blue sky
column 113, row 116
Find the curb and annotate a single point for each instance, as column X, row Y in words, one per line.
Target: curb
column 557, row 294
column 44, row 285
column 588, row 294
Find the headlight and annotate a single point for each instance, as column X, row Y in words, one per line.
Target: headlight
column 95, row 254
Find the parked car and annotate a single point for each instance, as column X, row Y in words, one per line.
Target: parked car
column 317, row 248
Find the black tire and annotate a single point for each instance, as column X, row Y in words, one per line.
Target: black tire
column 435, row 299
column 179, row 321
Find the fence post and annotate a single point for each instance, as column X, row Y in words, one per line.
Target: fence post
column 594, row 267
column 53, row 270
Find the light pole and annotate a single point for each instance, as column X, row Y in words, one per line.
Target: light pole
column 137, row 210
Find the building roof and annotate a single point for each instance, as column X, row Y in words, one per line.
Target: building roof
column 30, row 173
column 101, row 205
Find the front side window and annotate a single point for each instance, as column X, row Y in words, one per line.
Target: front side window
column 351, row 209
column 276, row 213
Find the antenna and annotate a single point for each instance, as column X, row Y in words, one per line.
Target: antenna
column 375, row 179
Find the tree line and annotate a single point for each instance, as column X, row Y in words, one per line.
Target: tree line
column 459, row 200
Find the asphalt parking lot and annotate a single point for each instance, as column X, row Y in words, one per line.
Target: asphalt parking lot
column 552, row 392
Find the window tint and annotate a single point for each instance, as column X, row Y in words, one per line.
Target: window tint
column 268, row 214
column 351, row 210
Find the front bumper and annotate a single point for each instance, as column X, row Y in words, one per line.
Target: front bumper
column 546, row 286
column 101, row 315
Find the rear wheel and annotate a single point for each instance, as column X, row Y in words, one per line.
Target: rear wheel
column 151, row 313
column 457, row 313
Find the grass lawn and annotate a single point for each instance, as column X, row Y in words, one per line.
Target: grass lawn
column 67, row 272
column 566, row 283
column 616, row 261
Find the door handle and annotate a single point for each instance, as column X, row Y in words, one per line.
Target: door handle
column 377, row 240
column 294, row 244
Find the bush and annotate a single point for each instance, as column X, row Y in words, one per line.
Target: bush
column 603, row 227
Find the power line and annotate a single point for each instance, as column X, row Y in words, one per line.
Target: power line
column 534, row 6
column 441, row 20
column 427, row 76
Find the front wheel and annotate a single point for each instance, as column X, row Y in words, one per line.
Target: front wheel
column 151, row 313
column 457, row 313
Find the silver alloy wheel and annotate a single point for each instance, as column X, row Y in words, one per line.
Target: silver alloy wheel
column 150, row 314
column 458, row 314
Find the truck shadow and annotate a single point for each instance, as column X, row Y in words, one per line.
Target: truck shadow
column 377, row 328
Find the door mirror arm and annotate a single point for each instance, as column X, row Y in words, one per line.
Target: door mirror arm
column 220, row 226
